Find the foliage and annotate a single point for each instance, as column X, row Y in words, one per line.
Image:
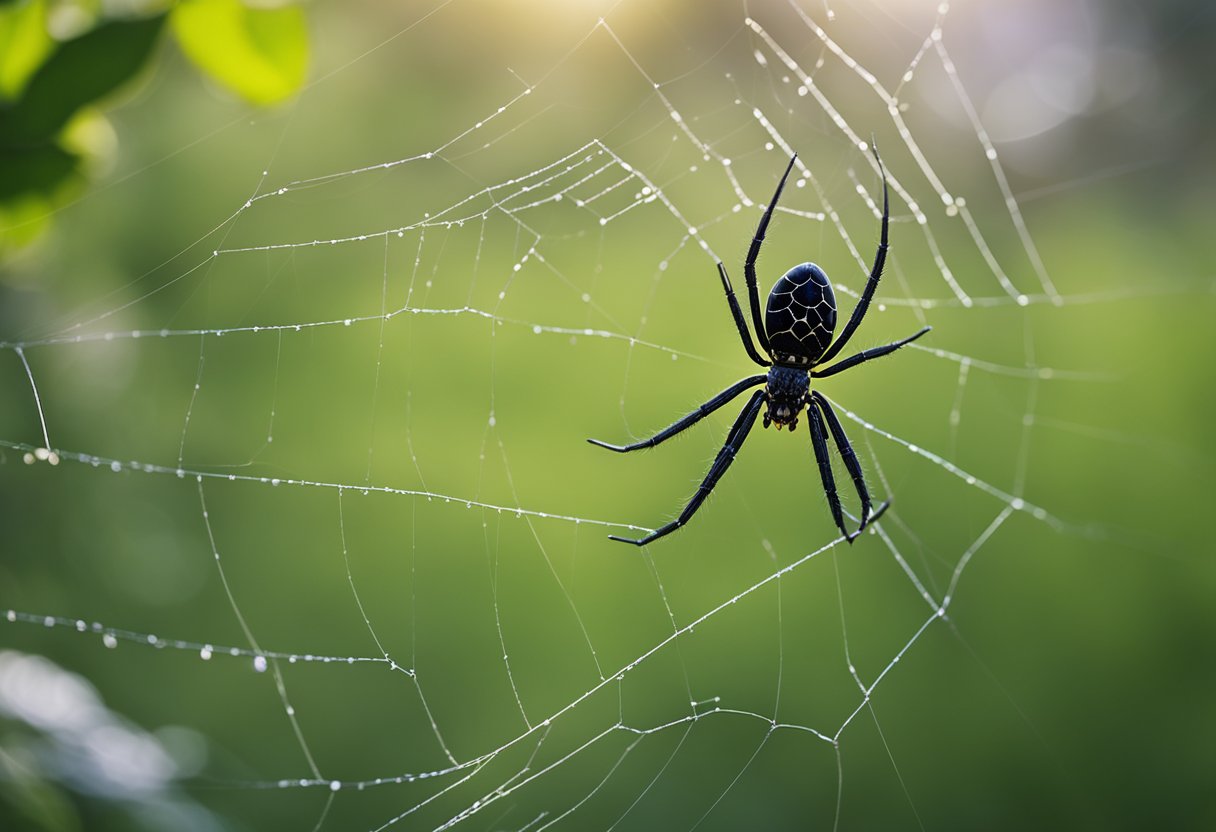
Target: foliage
column 51, row 89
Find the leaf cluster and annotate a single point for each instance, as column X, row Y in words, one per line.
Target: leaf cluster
column 52, row 89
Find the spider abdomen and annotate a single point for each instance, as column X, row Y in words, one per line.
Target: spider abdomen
column 801, row 315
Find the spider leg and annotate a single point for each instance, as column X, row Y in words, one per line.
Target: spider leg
column 734, row 441
column 820, row 443
column 880, row 259
column 737, row 314
column 689, row 420
column 848, row 455
column 749, row 265
column 866, row 355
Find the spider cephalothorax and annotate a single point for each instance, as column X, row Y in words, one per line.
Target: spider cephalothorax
column 796, row 334
column 786, row 392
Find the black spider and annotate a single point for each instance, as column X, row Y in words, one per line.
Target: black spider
column 800, row 320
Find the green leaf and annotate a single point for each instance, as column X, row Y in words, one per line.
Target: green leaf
column 79, row 72
column 24, row 44
column 259, row 54
column 34, row 170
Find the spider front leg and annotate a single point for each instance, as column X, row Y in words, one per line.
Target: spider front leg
column 847, row 454
column 820, row 444
column 734, row 441
column 851, row 463
column 816, row 404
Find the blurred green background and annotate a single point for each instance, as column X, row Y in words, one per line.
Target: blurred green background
column 1070, row 684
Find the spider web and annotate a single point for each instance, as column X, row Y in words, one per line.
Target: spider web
column 326, row 460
